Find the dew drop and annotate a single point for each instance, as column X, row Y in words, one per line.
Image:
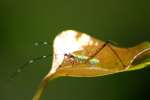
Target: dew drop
column 44, row 56
column 31, row 61
column 36, row 44
column 45, row 43
column 18, row 70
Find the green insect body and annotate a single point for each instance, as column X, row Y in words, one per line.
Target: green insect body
column 82, row 58
column 94, row 61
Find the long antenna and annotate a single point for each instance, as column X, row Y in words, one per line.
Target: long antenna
column 20, row 68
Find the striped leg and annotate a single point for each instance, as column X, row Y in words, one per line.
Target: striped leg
column 107, row 43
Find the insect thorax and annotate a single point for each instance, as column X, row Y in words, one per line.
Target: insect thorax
column 83, row 59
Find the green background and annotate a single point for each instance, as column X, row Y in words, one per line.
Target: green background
column 23, row 22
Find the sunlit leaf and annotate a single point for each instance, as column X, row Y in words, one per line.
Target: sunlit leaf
column 77, row 54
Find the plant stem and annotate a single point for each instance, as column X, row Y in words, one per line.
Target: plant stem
column 42, row 87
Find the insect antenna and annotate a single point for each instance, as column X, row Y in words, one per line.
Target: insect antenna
column 22, row 67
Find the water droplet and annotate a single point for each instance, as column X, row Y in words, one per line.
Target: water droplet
column 45, row 43
column 18, row 70
column 36, row 44
column 31, row 61
column 44, row 56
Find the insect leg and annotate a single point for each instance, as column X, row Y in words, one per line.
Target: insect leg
column 98, row 50
column 108, row 44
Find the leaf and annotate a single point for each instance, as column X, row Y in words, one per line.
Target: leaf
column 77, row 54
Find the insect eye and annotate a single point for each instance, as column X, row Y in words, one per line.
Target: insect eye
column 65, row 54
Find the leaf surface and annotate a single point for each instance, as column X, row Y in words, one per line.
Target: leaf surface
column 77, row 54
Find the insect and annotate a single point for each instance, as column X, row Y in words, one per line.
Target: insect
column 86, row 56
column 81, row 59
column 90, row 59
column 73, row 58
